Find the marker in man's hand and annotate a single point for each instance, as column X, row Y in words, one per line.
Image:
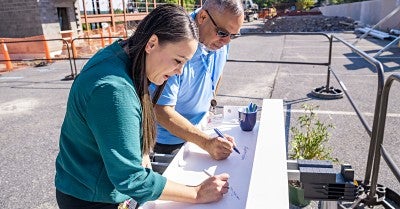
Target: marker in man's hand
column 222, row 136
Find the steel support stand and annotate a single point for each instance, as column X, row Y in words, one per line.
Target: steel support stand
column 395, row 41
column 327, row 92
column 377, row 24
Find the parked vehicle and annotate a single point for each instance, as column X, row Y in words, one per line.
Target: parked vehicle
column 250, row 10
column 267, row 13
column 132, row 7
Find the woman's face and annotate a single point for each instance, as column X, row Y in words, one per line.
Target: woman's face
column 168, row 59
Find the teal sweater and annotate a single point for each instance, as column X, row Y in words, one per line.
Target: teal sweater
column 101, row 136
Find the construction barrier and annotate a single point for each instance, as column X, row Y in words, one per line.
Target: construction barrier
column 34, row 51
column 89, row 46
column 4, row 50
column 47, row 51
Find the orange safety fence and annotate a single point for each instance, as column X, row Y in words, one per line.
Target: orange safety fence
column 22, row 51
column 83, row 48
column 32, row 49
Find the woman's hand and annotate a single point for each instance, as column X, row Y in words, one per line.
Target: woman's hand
column 213, row 188
column 210, row 190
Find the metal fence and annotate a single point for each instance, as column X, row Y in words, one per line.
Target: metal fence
column 46, row 51
column 376, row 131
column 369, row 186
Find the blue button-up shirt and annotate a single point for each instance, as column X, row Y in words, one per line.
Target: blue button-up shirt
column 192, row 91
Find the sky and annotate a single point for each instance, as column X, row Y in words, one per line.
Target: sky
column 117, row 4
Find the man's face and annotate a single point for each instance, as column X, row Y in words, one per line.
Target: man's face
column 217, row 29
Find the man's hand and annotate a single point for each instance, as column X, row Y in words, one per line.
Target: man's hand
column 220, row 148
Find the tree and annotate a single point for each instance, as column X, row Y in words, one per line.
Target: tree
column 266, row 3
column 304, row 4
column 188, row 4
column 271, row 3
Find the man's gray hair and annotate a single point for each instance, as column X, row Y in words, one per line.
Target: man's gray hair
column 233, row 6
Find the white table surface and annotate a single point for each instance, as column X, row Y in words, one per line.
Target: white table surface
column 258, row 176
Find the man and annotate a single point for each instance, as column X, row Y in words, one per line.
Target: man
column 185, row 100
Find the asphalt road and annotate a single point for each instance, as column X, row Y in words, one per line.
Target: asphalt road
column 33, row 102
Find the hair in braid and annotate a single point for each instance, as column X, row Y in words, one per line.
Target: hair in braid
column 171, row 24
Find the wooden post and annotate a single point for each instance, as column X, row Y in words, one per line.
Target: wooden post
column 112, row 15
column 85, row 15
column 87, row 35
column 103, row 44
column 125, row 24
column 109, row 35
column 4, row 49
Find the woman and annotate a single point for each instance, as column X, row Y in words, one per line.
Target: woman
column 109, row 123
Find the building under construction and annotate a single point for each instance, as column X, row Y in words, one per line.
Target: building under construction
column 24, row 24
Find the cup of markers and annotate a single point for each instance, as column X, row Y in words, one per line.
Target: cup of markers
column 248, row 117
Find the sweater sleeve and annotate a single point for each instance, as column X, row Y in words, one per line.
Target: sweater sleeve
column 114, row 117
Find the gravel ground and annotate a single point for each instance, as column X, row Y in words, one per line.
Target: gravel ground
column 309, row 23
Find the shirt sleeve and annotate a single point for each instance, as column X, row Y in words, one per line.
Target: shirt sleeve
column 114, row 116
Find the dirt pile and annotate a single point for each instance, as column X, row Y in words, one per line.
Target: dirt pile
column 309, row 23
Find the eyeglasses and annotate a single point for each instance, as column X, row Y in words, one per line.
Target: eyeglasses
column 221, row 32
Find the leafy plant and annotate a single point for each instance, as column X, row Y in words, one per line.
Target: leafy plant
column 188, row 4
column 308, row 142
column 310, row 136
column 304, row 4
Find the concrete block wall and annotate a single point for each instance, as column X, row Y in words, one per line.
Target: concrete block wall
column 19, row 18
column 26, row 18
column 73, row 13
column 77, row 15
column 49, row 18
column 33, row 18
column 50, row 22
column 367, row 12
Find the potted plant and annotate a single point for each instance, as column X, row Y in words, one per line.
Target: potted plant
column 309, row 136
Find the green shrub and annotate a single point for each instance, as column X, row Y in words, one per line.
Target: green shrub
column 304, row 4
column 309, row 137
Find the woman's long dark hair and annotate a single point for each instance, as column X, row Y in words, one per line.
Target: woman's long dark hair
column 171, row 24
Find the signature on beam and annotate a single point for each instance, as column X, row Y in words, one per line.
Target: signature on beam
column 233, row 193
column 245, row 152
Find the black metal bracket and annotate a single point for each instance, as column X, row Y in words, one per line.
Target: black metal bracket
column 327, row 93
column 68, row 77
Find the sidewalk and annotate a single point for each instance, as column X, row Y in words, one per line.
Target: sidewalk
column 33, row 102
